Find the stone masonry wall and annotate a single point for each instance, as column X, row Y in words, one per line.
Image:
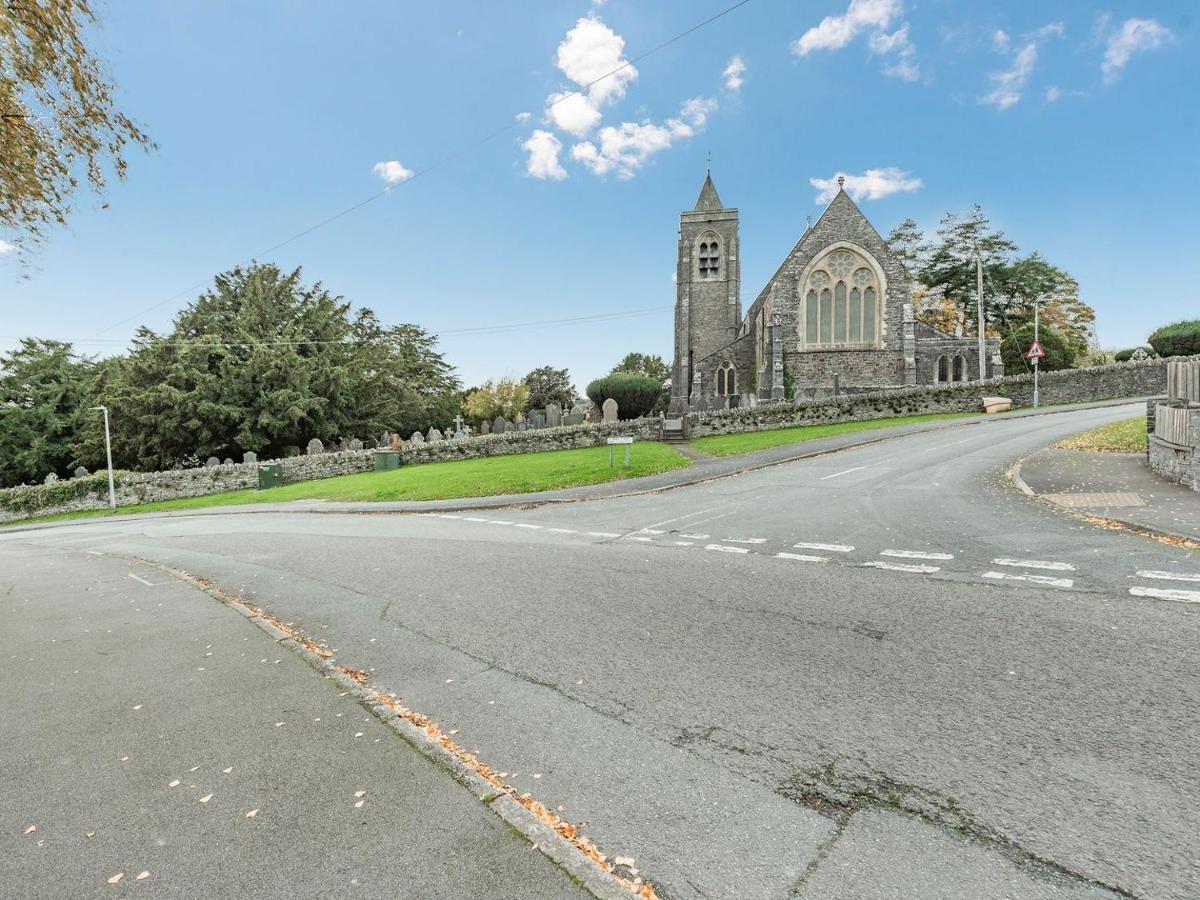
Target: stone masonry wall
column 147, row 487
column 1130, row 379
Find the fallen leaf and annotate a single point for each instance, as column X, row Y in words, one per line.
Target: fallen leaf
column 31, row 829
column 252, row 814
column 139, row 706
column 116, row 878
column 91, row 834
column 142, row 875
column 227, row 771
column 359, row 804
column 205, row 798
column 174, row 783
column 124, row 759
column 358, row 734
column 193, row 768
column 360, row 793
column 280, row 724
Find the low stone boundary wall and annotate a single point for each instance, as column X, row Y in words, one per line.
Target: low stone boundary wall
column 1137, row 378
column 91, row 492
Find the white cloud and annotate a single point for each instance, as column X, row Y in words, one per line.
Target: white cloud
column 734, row 74
column 905, row 64
column 392, row 171
column 572, row 112
column 1134, row 36
column 6, row 247
column 873, row 184
column 1053, row 93
column 1009, row 84
column 543, row 149
column 835, row 32
column 523, row 116
column 592, row 50
column 625, row 148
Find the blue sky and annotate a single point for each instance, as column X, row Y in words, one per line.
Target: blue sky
column 1074, row 125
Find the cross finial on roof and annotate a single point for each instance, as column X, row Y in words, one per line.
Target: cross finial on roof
column 708, row 167
column 841, row 180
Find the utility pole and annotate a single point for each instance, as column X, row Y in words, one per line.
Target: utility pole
column 112, row 491
column 1036, row 360
column 979, row 310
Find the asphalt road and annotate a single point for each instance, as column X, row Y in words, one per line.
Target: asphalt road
column 877, row 673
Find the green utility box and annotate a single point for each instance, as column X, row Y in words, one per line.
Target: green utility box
column 270, row 475
column 387, row 460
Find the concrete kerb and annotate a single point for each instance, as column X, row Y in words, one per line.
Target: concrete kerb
column 540, row 835
column 530, row 501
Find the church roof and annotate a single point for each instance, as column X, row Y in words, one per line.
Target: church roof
column 708, row 198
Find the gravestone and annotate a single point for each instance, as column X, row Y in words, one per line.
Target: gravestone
column 315, row 447
column 458, row 423
column 553, row 415
column 81, row 472
column 610, row 410
column 522, row 426
column 751, row 401
column 510, row 426
column 50, row 479
column 393, row 442
column 701, row 405
column 537, row 419
column 433, row 435
column 371, row 444
column 249, row 457
column 417, row 438
column 499, row 425
column 573, row 418
column 212, row 462
column 355, row 444
column 462, row 434
column 485, row 427
column 227, row 461
column 385, row 440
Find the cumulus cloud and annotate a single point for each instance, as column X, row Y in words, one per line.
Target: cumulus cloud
column 572, row 112
column 873, row 184
column 835, row 32
column 523, row 116
column 734, row 74
column 1008, row 85
column 543, row 149
column 623, row 149
column 392, row 171
column 1134, row 36
column 590, row 51
column 901, row 50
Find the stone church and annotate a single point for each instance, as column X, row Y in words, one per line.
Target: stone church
column 836, row 316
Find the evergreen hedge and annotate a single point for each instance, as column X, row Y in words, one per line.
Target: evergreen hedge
column 1177, row 339
column 635, row 394
column 30, row 498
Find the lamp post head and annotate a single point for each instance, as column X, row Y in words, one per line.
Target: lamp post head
column 97, row 408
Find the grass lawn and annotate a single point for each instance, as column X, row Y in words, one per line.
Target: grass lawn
column 518, row 473
column 1126, row 436
column 748, row 442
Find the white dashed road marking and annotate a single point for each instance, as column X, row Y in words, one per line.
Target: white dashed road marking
column 142, row 580
column 915, row 554
column 746, row 540
column 1165, row 594
column 525, row 525
column 602, row 534
column 801, row 557
column 832, row 548
column 563, row 530
column 637, row 537
column 838, row 474
column 497, row 522
column 1168, row 576
column 473, row 519
column 449, row 516
column 1048, row 580
column 650, row 531
column 1034, row 564
column 694, row 537
column 901, row 567
column 723, row 549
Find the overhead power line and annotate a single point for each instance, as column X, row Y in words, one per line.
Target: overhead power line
column 448, row 158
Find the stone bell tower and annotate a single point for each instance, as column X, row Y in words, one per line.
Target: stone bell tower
column 708, row 306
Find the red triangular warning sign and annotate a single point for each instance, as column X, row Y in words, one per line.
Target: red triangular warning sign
column 1035, row 351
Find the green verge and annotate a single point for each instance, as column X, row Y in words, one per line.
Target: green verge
column 1126, row 436
column 750, row 441
column 519, row 473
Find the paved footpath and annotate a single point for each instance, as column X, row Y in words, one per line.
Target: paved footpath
column 158, row 744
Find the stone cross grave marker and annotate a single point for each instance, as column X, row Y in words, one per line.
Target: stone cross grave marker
column 315, row 447
column 458, row 423
column 609, row 408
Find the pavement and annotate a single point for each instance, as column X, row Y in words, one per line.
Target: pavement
column 877, row 672
column 1115, row 486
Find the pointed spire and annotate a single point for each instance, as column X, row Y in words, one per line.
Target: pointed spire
column 708, row 198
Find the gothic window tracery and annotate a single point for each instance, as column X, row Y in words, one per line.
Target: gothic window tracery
column 841, row 302
column 709, row 258
column 726, row 380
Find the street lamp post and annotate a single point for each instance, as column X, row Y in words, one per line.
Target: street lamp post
column 112, row 491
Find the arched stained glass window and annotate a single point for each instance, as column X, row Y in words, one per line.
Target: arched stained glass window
column 943, row 369
column 855, row 335
column 810, row 319
column 869, row 314
column 841, row 302
column 826, row 317
column 839, row 313
column 960, row 369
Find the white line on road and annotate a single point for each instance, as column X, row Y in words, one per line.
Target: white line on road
column 473, row 519
column 142, row 580
column 497, row 522
column 635, row 537
column 526, row 525
column 1048, row 580
column 650, row 531
column 900, row 567
column 1164, row 594
column 1035, row 564
column 683, row 543
column 563, row 530
column 602, row 534
column 1167, row 576
column 448, row 516
column 801, row 557
column 723, row 549
column 915, row 554
column 679, row 518
column 832, row 548
column 746, row 540
column 694, row 537
column 95, row 553
column 838, row 474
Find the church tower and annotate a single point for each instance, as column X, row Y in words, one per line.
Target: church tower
column 708, row 307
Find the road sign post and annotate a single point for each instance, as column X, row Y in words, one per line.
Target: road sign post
column 1034, row 354
column 627, row 441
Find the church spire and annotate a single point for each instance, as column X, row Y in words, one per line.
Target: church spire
column 708, row 198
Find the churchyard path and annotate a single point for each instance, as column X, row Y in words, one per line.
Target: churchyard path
column 878, row 673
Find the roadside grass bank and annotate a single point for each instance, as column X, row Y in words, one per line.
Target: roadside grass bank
column 513, row 474
column 1126, row 436
column 750, row 441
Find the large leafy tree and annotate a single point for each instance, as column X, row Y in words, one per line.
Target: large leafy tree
column 42, row 397
column 549, row 385
column 58, row 122
column 652, row 366
column 503, row 397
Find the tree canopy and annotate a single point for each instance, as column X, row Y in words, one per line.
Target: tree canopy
column 549, row 385
column 652, row 366
column 503, row 397
column 58, row 122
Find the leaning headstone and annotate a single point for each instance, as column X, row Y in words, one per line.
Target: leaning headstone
column 81, row 472
column 485, row 427
column 50, row 479
column 212, row 462
column 315, row 447
column 249, row 457
column 355, row 445
column 417, row 438
column 610, row 410
column 510, row 426
column 553, row 415
column 433, row 435
column 499, row 425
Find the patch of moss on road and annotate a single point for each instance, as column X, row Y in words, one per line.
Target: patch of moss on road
column 749, row 442
column 1126, row 436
